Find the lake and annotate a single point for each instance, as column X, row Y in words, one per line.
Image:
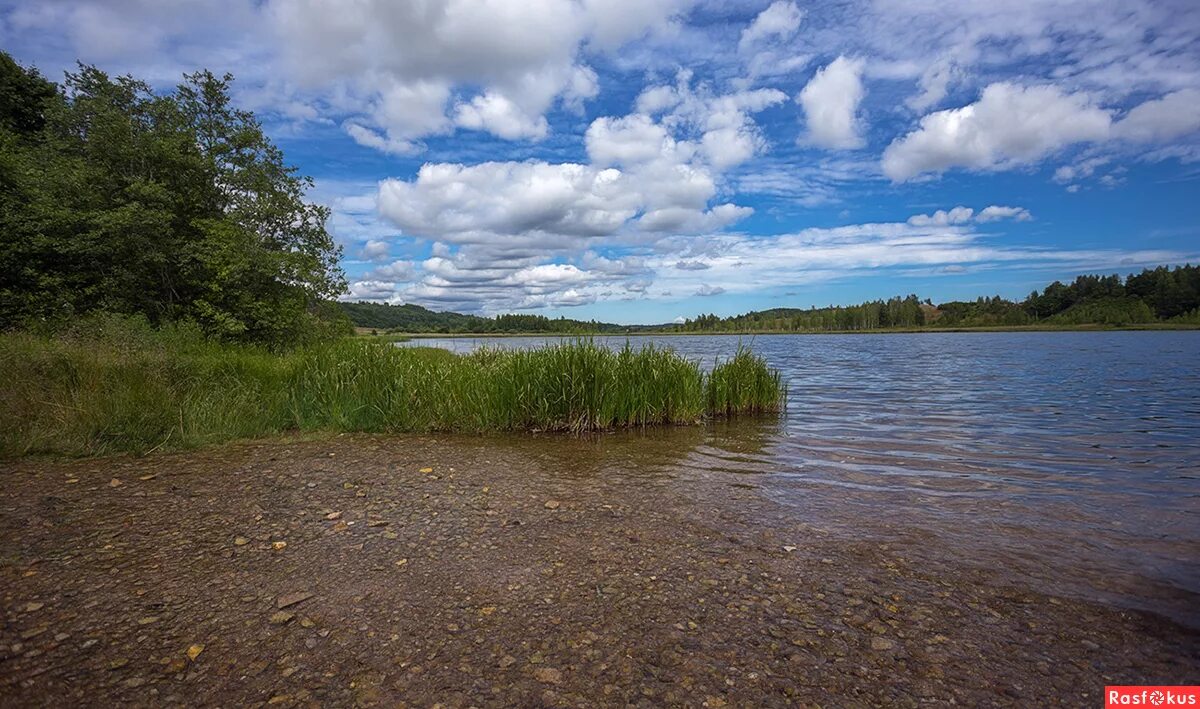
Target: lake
column 1069, row 462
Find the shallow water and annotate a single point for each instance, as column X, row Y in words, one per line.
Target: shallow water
column 1069, row 462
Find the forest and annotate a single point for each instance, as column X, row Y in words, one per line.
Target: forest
column 1158, row 295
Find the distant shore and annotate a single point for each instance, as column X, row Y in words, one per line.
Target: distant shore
column 400, row 336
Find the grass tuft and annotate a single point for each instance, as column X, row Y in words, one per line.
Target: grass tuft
column 127, row 388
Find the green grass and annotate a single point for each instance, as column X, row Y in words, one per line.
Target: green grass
column 124, row 388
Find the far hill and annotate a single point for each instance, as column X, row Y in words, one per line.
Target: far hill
column 414, row 318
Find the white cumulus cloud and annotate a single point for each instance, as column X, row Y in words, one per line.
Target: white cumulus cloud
column 1008, row 125
column 830, row 102
column 1172, row 116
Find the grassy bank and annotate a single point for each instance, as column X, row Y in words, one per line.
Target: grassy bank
column 135, row 390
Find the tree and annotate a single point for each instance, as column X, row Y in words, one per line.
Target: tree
column 175, row 207
column 266, row 256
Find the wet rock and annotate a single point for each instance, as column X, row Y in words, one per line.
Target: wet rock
column 548, row 675
column 882, row 644
column 281, row 617
column 291, row 599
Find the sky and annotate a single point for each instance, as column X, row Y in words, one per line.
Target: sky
column 641, row 161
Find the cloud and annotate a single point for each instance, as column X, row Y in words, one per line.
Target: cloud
column 935, row 82
column 385, row 144
column 552, row 205
column 780, row 19
column 1172, row 116
column 458, row 203
column 997, row 212
column 730, row 137
column 405, row 60
column 957, row 215
column 720, row 129
column 378, row 291
column 375, row 250
column 645, row 175
column 965, row 215
column 635, row 139
column 494, row 278
column 1009, row 125
column 743, row 263
column 500, row 116
column 1083, row 168
column 395, row 271
column 830, row 102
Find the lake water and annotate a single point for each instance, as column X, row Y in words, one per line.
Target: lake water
column 1066, row 461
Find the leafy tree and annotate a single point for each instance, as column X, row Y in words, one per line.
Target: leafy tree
column 174, row 206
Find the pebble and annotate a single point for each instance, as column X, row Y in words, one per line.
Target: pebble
column 548, row 675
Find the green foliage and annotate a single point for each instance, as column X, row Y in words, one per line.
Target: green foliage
column 1163, row 294
column 115, row 384
column 874, row 315
column 24, row 96
column 1118, row 311
column 982, row 312
column 175, row 207
column 1170, row 293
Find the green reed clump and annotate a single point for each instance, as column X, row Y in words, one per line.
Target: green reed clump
column 743, row 384
column 130, row 388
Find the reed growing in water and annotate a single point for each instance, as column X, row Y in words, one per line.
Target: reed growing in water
column 128, row 388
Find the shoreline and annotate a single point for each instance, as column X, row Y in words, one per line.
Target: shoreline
column 1149, row 327
column 501, row 570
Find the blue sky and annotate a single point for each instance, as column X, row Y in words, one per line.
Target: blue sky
column 643, row 160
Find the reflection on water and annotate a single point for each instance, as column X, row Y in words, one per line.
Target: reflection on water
column 1070, row 461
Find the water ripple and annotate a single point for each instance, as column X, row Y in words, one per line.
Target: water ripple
column 1070, row 461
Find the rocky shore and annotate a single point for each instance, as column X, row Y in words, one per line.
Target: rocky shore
column 420, row 571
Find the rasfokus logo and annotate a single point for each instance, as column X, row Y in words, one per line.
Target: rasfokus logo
column 1146, row 696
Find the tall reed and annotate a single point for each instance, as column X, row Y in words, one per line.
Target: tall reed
column 141, row 391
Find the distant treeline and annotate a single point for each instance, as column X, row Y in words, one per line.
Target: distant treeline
column 414, row 318
column 1162, row 294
